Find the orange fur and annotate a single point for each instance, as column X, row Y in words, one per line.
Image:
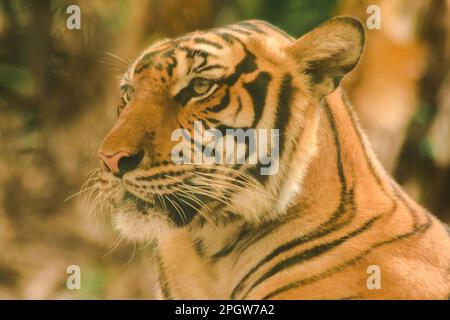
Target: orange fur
column 308, row 232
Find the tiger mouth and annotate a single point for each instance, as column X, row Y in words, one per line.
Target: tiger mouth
column 141, row 205
column 180, row 212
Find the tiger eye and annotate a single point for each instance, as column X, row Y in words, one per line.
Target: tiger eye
column 201, row 86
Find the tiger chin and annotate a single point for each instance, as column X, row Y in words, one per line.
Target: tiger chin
column 310, row 230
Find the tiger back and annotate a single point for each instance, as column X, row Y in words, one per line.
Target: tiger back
column 313, row 227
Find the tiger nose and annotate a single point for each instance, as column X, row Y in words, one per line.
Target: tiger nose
column 121, row 162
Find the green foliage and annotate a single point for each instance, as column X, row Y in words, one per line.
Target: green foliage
column 94, row 281
column 294, row 16
column 16, row 79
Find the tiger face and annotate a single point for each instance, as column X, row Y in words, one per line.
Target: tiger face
column 249, row 75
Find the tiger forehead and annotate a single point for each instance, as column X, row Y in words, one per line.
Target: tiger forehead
column 193, row 49
column 211, row 52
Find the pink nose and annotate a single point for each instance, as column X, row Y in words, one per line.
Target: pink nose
column 112, row 161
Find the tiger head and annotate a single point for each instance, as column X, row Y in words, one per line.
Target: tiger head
column 249, row 75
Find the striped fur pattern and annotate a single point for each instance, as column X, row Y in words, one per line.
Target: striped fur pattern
column 224, row 231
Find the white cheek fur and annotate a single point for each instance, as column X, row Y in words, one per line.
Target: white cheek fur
column 137, row 227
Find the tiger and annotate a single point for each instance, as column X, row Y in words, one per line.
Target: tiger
column 315, row 228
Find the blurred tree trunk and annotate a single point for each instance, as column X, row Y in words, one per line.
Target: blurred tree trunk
column 384, row 87
column 425, row 157
column 401, row 93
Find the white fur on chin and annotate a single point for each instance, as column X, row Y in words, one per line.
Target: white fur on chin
column 135, row 226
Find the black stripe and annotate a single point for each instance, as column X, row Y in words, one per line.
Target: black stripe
column 283, row 111
column 246, row 65
column 161, row 175
column 179, row 212
column 208, row 42
column 185, row 95
column 199, row 247
column 201, row 65
column 296, row 284
column 193, row 52
column 212, row 121
column 337, row 143
column 281, row 120
column 227, row 37
column 265, row 230
column 239, row 108
column 162, row 278
column 223, row 103
column 171, row 66
column 237, row 30
column 228, row 248
column 311, row 253
column 206, row 123
column 255, row 172
column 257, row 89
column 211, row 67
column 250, row 26
column 146, row 61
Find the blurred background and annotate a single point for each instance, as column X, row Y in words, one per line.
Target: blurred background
column 59, row 90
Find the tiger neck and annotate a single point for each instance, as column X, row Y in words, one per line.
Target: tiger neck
column 344, row 165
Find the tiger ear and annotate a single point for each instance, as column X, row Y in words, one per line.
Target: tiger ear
column 328, row 52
